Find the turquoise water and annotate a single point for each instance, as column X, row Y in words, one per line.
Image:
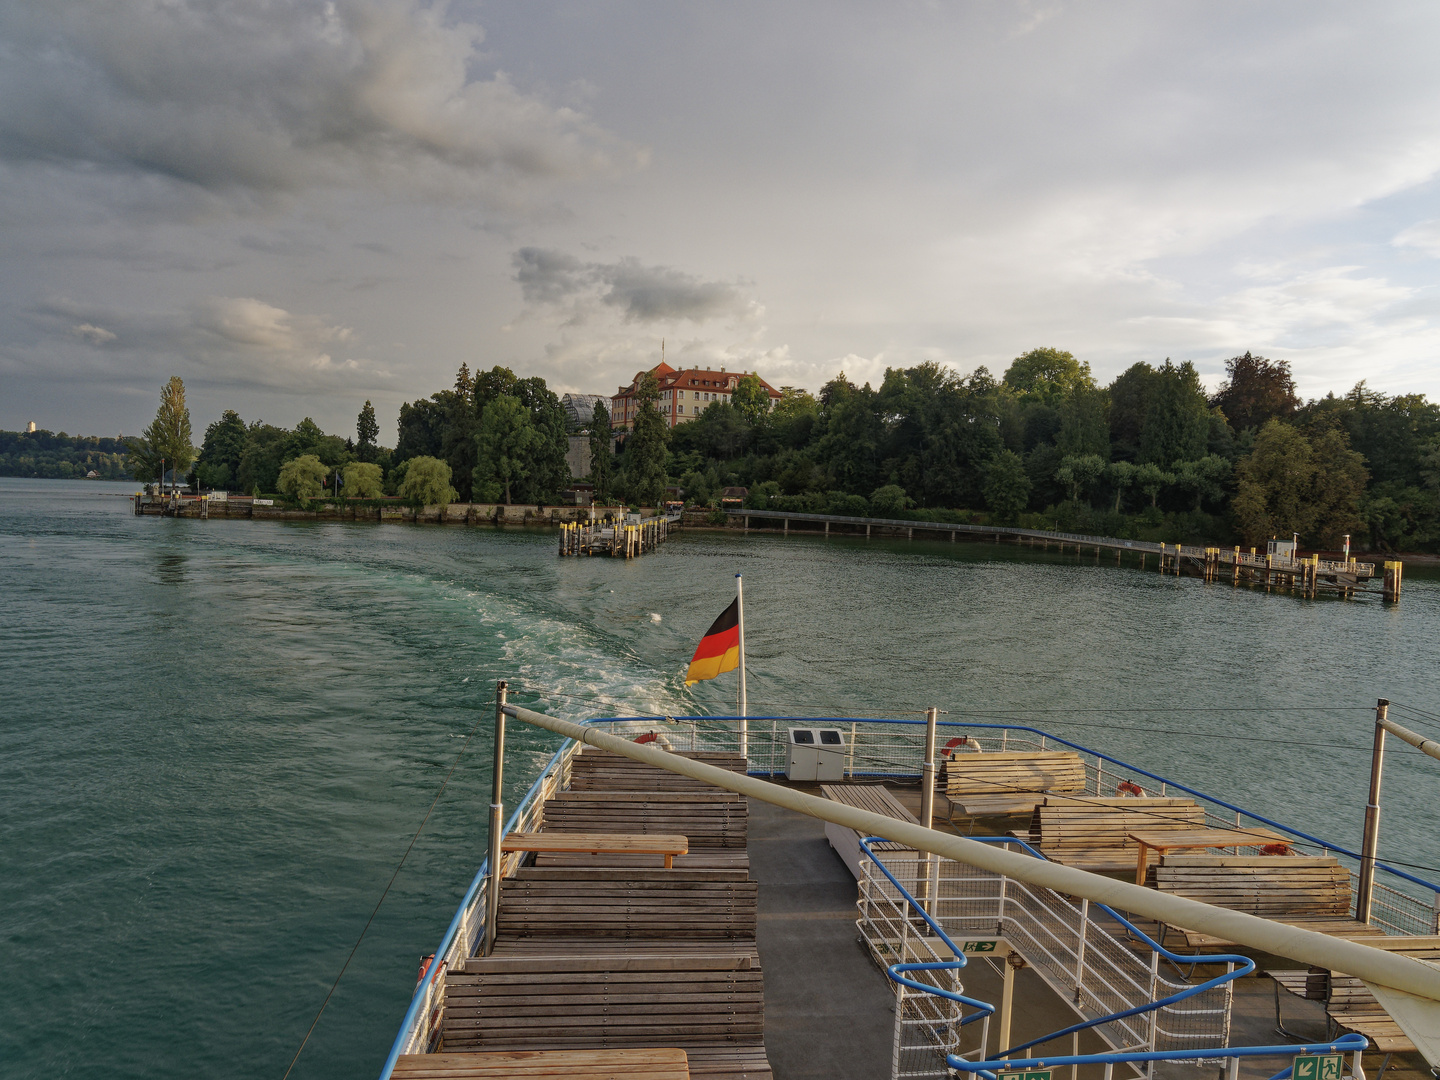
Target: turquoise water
column 218, row 737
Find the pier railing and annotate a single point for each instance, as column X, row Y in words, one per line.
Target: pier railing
column 1111, row 543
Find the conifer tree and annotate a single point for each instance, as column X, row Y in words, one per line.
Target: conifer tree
column 368, row 430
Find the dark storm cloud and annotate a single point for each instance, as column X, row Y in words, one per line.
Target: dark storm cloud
column 274, row 97
column 640, row 293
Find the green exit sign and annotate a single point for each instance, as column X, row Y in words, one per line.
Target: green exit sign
column 1026, row 1074
column 989, row 946
column 1316, row 1067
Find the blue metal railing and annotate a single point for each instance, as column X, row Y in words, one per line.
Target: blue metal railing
column 896, row 971
column 1351, row 1043
column 987, row 1069
column 815, row 720
column 1244, row 965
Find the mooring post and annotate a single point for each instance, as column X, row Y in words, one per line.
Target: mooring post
column 1366, row 886
column 497, row 821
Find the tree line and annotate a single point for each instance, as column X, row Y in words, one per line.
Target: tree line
column 1149, row 456
column 52, row 456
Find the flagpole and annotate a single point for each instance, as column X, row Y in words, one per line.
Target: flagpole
column 744, row 723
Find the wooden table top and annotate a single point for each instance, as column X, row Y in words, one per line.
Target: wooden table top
column 657, row 1064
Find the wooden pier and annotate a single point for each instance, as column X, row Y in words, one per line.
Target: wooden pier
column 1308, row 576
column 628, row 539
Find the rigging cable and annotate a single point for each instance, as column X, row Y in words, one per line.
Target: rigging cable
column 444, row 783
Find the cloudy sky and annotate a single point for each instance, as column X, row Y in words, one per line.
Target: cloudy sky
column 296, row 206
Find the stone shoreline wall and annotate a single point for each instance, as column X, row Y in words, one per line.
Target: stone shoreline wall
column 454, row 513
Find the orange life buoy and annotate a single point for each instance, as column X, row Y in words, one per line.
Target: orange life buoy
column 425, row 962
column 649, row 736
column 950, row 746
column 1129, row 789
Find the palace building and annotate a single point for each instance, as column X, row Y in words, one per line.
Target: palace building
column 684, row 395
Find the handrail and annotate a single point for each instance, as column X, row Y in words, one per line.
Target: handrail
column 1352, row 1042
column 1246, row 964
column 419, row 994
column 955, row 965
column 418, row 997
column 813, row 720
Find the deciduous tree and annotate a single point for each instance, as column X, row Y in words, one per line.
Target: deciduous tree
column 427, row 482
column 361, row 480
column 506, row 446
column 751, row 398
column 302, row 478
column 1256, row 390
column 1046, row 375
column 1007, row 487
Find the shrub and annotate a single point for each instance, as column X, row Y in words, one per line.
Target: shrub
column 888, row 500
column 427, row 481
column 302, row 478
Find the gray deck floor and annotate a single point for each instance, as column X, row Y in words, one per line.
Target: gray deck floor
column 828, row 1008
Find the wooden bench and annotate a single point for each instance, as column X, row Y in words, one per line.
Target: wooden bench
column 665, row 907
column 1349, row 1003
column 1092, row 833
column 592, row 770
column 1011, row 772
column 666, row 845
column 978, row 806
column 710, row 1006
column 871, row 797
column 711, row 819
column 1301, row 890
column 640, row 1064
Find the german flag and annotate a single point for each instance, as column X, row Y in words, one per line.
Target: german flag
column 719, row 649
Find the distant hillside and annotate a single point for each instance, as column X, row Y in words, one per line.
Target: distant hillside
column 49, row 456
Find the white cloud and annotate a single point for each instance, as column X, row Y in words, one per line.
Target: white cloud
column 1423, row 236
column 221, row 341
column 278, row 97
column 95, row 335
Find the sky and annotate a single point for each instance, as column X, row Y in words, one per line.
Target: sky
column 297, row 207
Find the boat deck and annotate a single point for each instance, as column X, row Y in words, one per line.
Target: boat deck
column 745, row 953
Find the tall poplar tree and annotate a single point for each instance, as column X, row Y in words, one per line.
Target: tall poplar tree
column 645, row 449
column 602, row 465
column 165, row 444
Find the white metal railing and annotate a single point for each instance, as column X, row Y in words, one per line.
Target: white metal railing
column 1072, row 949
column 883, row 750
column 422, row 1033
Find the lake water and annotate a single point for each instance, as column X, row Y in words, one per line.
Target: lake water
column 218, row 737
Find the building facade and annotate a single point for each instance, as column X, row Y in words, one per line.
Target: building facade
column 684, row 394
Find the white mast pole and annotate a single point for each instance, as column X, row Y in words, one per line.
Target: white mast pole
column 744, row 724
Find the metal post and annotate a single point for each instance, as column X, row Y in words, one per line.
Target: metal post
column 927, row 808
column 744, row 723
column 1007, row 998
column 1365, row 892
column 1080, row 949
column 497, row 820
